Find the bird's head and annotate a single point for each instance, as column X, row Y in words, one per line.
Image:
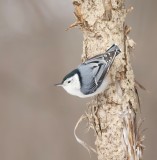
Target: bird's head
column 71, row 83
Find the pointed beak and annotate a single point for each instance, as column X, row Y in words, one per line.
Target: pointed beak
column 59, row 84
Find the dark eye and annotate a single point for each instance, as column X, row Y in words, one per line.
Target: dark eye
column 69, row 81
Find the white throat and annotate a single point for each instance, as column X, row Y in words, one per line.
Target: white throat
column 74, row 87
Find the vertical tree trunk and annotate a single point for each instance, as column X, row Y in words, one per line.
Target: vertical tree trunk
column 113, row 113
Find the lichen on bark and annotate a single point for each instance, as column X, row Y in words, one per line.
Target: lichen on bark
column 111, row 114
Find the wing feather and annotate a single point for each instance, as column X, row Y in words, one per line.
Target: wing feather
column 96, row 68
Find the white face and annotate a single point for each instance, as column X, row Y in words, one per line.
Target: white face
column 72, row 85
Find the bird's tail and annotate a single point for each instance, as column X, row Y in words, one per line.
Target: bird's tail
column 114, row 49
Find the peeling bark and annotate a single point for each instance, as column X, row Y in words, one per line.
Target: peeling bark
column 111, row 114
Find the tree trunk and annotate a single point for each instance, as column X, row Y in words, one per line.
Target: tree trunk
column 111, row 114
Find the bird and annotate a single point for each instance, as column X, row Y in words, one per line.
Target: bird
column 90, row 77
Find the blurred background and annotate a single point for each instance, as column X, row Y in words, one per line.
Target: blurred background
column 36, row 118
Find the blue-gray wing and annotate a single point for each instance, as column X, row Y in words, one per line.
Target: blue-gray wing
column 94, row 70
column 92, row 76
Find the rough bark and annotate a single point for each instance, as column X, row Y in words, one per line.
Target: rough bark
column 111, row 114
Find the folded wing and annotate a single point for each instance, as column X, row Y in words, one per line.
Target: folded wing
column 95, row 69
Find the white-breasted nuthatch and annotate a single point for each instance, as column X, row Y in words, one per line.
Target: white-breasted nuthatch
column 91, row 77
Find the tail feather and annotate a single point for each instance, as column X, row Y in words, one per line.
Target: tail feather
column 114, row 48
